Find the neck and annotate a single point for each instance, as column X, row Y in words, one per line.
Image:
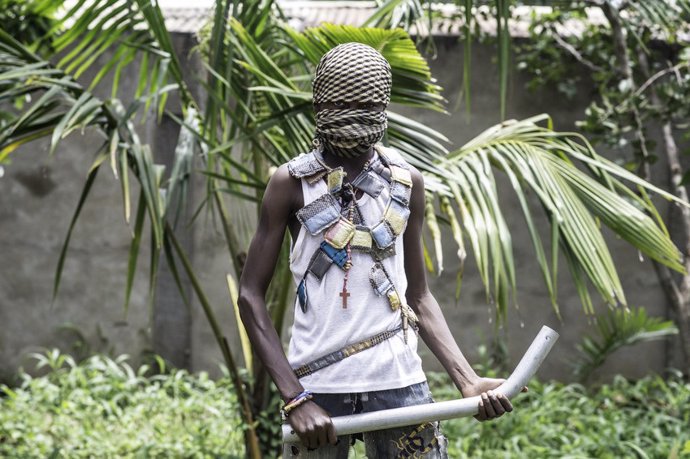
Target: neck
column 349, row 164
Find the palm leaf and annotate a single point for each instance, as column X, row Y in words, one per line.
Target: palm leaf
column 537, row 160
column 87, row 31
column 413, row 84
column 616, row 329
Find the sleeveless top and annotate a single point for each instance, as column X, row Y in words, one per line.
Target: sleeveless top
column 325, row 326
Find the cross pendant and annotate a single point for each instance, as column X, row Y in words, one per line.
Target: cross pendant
column 344, row 294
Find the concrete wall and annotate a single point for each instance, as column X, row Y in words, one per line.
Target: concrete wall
column 38, row 195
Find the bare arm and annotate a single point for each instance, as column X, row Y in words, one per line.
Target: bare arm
column 433, row 327
column 310, row 422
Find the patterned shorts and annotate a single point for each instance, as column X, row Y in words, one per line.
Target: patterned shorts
column 419, row 441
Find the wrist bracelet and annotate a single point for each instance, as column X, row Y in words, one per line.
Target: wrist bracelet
column 303, row 397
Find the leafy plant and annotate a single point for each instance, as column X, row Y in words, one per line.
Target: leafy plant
column 638, row 59
column 645, row 418
column 102, row 407
column 615, row 329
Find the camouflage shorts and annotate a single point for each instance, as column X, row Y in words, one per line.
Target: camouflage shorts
column 420, row 441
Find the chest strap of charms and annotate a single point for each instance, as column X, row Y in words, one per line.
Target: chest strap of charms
column 347, row 351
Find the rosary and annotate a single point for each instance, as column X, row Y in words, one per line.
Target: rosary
column 348, row 264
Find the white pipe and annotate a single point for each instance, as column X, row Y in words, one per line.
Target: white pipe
column 441, row 411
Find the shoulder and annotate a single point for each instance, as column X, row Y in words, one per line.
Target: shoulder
column 283, row 191
column 282, row 178
column 394, row 157
column 417, row 179
column 305, row 165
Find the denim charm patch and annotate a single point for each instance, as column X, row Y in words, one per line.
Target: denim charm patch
column 396, row 216
column 339, row 256
column 302, row 294
column 370, row 183
column 382, row 235
column 379, row 279
column 304, row 165
column 319, row 214
column 340, row 233
column 335, row 179
column 401, row 193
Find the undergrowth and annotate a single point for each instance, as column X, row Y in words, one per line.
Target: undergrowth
column 103, row 408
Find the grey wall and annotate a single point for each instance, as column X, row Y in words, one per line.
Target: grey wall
column 38, row 195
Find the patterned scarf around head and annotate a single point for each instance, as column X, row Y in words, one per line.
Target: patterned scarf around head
column 351, row 72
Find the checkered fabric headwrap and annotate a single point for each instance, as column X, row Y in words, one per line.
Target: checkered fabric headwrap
column 351, row 72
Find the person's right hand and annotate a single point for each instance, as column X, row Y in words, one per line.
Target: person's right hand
column 312, row 425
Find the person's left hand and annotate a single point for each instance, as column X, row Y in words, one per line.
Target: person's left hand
column 492, row 404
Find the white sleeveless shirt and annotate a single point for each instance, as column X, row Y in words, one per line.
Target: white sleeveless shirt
column 326, row 326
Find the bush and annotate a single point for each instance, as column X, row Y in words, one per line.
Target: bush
column 102, row 408
column 649, row 418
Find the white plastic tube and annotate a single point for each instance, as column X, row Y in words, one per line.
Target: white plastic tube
column 418, row 414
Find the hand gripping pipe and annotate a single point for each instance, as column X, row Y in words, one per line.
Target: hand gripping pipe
column 441, row 411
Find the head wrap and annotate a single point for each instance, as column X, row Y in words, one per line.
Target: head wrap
column 351, row 72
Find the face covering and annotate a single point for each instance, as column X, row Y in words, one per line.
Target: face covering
column 351, row 72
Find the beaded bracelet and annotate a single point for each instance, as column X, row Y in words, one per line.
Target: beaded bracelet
column 303, row 397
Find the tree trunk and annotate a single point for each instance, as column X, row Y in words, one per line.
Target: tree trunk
column 676, row 288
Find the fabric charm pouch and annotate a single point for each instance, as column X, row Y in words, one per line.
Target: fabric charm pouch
column 335, row 179
column 304, row 165
column 382, row 234
column 382, row 254
column 394, row 299
column 379, row 279
column 401, row 193
column 361, row 240
column 370, row 183
column 302, row 294
column 383, row 286
column 319, row 264
column 402, row 175
column 339, row 256
column 319, row 214
column 340, row 234
column 396, row 216
column 382, row 171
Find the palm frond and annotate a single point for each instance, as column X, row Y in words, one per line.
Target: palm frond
column 537, row 160
column 62, row 105
column 88, row 31
column 615, row 329
column 397, row 13
column 666, row 17
column 413, row 84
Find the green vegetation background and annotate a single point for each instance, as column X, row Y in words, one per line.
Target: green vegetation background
column 103, row 408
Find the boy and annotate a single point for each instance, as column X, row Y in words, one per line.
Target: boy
column 355, row 211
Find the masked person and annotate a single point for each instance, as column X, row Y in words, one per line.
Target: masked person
column 355, row 211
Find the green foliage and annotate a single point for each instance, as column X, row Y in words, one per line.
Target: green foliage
column 537, row 159
column 103, row 408
column 649, row 418
column 655, row 50
column 618, row 328
column 29, row 21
